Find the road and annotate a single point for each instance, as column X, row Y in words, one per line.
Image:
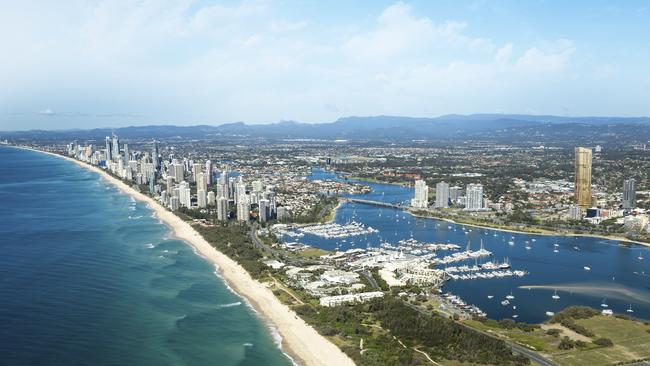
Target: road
column 532, row 355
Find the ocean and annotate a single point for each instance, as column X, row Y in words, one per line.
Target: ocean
column 88, row 276
column 618, row 277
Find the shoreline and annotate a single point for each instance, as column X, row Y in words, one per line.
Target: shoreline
column 301, row 342
column 513, row 231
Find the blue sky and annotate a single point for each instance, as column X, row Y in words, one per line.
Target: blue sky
column 80, row 64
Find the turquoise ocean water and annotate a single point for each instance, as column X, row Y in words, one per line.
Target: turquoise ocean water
column 89, row 277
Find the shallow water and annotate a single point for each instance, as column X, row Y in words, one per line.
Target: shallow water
column 89, row 277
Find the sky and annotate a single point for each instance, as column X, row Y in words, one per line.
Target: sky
column 84, row 64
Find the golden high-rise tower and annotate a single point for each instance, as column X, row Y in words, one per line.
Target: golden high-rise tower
column 583, row 177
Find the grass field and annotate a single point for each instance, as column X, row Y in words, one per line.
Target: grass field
column 631, row 342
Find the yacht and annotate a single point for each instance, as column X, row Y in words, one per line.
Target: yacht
column 505, row 302
column 640, row 256
column 490, row 296
column 550, row 313
column 555, row 248
column 604, row 304
column 587, row 268
column 576, row 248
column 511, row 296
column 555, row 295
column 515, row 316
column 630, row 309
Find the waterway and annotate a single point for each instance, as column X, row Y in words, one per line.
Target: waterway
column 617, row 278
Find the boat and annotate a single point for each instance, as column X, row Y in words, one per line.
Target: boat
column 514, row 307
column 630, row 309
column 510, row 297
column 511, row 242
column 576, row 248
column 640, row 256
column 587, row 268
column 490, row 296
column 555, row 296
column 555, row 246
column 550, row 313
column 604, row 304
column 505, row 302
column 515, row 316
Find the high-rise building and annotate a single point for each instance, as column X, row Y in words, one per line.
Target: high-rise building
column 169, row 182
column 263, row 210
column 184, row 194
column 154, row 155
column 629, row 194
column 222, row 208
column 442, row 195
column 474, row 197
column 174, row 203
column 421, row 199
column 116, row 147
column 201, row 198
column 583, row 176
column 109, row 149
column 208, row 172
column 211, row 198
column 177, row 171
column 243, row 208
column 127, row 154
column 201, row 182
column 196, row 169
column 454, row 194
column 575, row 212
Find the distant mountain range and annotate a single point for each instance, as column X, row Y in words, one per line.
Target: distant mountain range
column 366, row 128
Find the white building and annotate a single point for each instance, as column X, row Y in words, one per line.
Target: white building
column 350, row 298
column 421, row 199
column 442, row 195
column 474, row 194
column 222, row 208
column 264, row 210
column 243, row 208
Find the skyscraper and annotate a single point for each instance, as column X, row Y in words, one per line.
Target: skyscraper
column 264, row 210
column 243, row 208
column 583, row 176
column 442, row 195
column 222, row 208
column 208, row 172
column 629, row 194
column 109, row 149
column 127, row 154
column 154, row 155
column 474, row 193
column 421, row 199
column 116, row 147
column 196, row 169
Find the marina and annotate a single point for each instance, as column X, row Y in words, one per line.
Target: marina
column 591, row 263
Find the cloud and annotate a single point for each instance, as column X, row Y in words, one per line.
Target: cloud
column 554, row 59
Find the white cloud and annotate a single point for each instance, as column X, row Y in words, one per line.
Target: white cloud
column 554, row 59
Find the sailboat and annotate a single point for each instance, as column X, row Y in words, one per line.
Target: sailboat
column 555, row 295
column 555, row 246
column 604, row 304
column 630, row 309
column 640, row 256
column 511, row 296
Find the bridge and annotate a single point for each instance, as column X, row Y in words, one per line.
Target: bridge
column 376, row 203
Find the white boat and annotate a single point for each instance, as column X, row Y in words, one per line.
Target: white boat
column 604, row 304
column 515, row 316
column 550, row 313
column 587, row 268
column 514, row 307
column 510, row 297
column 640, row 256
column 630, row 309
column 555, row 296
column 490, row 296
column 576, row 248
column 505, row 302
column 511, row 242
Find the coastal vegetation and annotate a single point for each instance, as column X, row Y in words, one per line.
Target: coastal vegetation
column 579, row 336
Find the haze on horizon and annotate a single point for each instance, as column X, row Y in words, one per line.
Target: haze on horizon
column 86, row 64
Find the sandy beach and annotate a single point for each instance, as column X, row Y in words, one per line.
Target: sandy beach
column 299, row 340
